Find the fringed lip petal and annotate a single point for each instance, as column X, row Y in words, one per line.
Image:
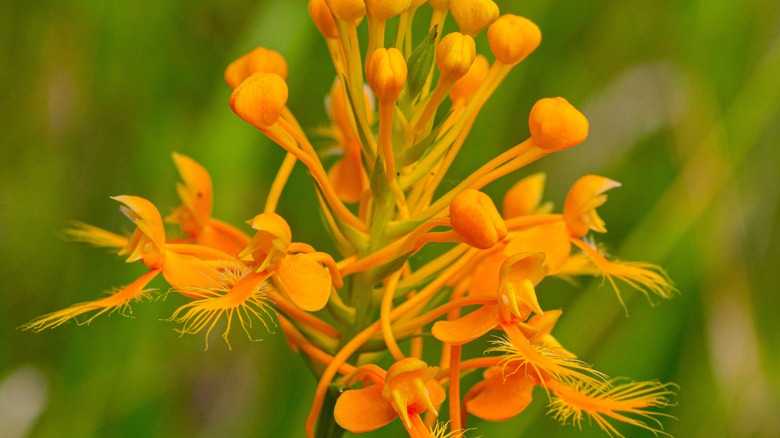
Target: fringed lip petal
column 467, row 328
column 304, row 281
column 363, row 410
column 119, row 300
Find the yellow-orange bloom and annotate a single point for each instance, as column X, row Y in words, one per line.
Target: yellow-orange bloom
column 295, row 268
column 407, row 390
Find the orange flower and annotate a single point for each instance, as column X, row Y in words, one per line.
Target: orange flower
column 184, row 266
column 405, row 391
column 194, row 215
column 295, row 268
column 516, row 300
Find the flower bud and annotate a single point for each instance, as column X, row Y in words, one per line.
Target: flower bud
column 465, row 87
column 455, row 55
column 440, row 5
column 585, row 195
column 258, row 60
column 386, row 73
column 512, row 38
column 475, row 219
column 556, row 125
column 260, row 99
column 347, row 10
column 386, row 9
column 473, row 15
column 323, row 18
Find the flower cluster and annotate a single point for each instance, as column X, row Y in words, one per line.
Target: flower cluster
column 399, row 112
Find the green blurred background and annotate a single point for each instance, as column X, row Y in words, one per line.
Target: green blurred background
column 684, row 102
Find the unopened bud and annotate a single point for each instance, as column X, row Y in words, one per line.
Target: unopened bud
column 465, row 87
column 473, row 15
column 386, row 73
column 476, row 220
column 440, row 5
column 386, row 9
column 512, row 38
column 454, row 56
column 258, row 60
column 347, row 10
column 323, row 18
column 556, row 125
column 260, row 99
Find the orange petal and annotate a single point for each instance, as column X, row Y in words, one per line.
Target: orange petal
column 526, row 266
column 223, row 236
column 484, row 279
column 499, row 397
column 346, row 178
column 550, row 239
column 467, row 328
column 585, row 195
column 304, row 281
column 524, row 197
column 195, row 194
column 185, row 272
column 363, row 410
column 145, row 216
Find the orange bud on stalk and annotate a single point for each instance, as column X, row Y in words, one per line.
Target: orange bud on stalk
column 386, row 9
column 556, row 125
column 386, row 73
column 455, row 55
column 476, row 220
column 347, row 10
column 260, row 99
column 473, row 15
column 512, row 38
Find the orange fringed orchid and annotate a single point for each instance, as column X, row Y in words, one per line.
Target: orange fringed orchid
column 394, row 170
column 295, row 268
column 184, row 266
column 194, row 215
column 405, row 391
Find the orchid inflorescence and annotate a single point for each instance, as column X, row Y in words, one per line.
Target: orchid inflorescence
column 400, row 113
